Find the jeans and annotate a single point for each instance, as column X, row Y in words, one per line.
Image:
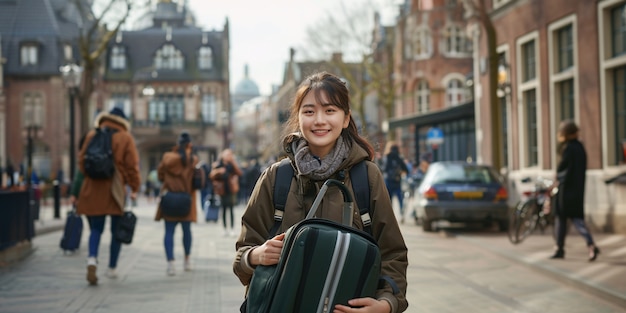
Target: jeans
column 228, row 202
column 396, row 189
column 96, row 225
column 168, row 240
column 561, row 230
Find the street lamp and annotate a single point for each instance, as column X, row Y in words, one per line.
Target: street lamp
column 503, row 92
column 504, row 84
column 72, row 75
column 225, row 122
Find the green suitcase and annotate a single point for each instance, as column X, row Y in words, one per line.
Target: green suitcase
column 322, row 263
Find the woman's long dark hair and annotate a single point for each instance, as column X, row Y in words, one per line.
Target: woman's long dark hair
column 338, row 94
column 183, row 153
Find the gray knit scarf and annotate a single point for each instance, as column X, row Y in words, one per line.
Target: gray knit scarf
column 316, row 168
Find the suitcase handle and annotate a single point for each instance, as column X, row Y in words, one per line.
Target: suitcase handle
column 347, row 200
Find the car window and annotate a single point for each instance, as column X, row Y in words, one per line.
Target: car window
column 460, row 174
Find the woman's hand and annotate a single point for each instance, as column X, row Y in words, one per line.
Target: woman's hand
column 268, row 253
column 363, row 305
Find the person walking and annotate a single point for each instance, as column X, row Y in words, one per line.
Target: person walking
column 226, row 172
column 154, row 185
column 394, row 170
column 251, row 174
column 105, row 197
column 323, row 142
column 570, row 198
column 176, row 172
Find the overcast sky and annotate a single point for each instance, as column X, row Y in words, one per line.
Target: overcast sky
column 261, row 32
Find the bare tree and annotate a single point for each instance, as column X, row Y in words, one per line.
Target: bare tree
column 480, row 13
column 348, row 30
column 94, row 36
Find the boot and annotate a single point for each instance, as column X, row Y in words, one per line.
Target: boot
column 559, row 254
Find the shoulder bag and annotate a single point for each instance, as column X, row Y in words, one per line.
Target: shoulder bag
column 126, row 227
column 175, row 204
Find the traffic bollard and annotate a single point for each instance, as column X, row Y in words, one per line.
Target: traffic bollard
column 56, row 191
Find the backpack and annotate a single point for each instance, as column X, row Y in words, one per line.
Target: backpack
column 264, row 277
column 360, row 186
column 394, row 172
column 98, row 161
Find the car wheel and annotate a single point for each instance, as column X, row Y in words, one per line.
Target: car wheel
column 427, row 225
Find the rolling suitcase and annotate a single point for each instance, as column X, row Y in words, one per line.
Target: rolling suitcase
column 72, row 232
column 322, row 263
column 211, row 208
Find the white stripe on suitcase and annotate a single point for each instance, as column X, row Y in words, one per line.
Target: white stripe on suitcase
column 334, row 272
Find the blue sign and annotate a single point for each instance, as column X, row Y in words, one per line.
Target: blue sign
column 434, row 136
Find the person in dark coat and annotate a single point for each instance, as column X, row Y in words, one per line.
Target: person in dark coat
column 394, row 170
column 570, row 198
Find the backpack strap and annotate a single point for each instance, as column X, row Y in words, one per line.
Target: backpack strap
column 284, row 175
column 360, row 186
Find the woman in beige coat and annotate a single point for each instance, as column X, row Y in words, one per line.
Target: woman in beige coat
column 176, row 172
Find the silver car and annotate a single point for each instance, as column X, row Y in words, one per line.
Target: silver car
column 461, row 192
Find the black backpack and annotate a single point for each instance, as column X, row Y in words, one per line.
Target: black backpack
column 394, row 170
column 98, row 162
column 360, row 186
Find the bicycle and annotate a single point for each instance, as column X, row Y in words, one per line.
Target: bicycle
column 529, row 214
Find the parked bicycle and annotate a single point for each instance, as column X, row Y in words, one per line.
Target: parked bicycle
column 529, row 214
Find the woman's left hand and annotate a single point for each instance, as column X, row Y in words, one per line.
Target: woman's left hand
column 363, row 305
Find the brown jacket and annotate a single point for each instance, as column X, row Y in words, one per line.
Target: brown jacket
column 97, row 196
column 258, row 219
column 177, row 178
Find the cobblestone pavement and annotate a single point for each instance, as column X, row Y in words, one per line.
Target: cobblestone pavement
column 467, row 271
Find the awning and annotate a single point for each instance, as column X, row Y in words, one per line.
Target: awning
column 462, row 111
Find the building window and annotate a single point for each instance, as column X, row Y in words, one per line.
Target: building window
column 167, row 109
column 454, row 41
column 422, row 96
column 612, row 48
column 419, row 43
column 456, row 93
column 530, row 102
column 33, row 111
column 205, row 58
column 565, row 48
column 118, row 58
column 209, row 109
column 619, row 108
column 618, row 30
column 168, row 58
column 121, row 101
column 423, row 42
column 28, row 54
column 529, row 61
column 565, row 99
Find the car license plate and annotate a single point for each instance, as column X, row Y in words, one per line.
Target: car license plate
column 468, row 194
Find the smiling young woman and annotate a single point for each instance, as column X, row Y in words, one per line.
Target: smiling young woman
column 321, row 142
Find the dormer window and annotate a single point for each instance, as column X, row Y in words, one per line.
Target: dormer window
column 29, row 54
column 455, row 42
column 169, row 58
column 205, row 58
column 118, row 58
